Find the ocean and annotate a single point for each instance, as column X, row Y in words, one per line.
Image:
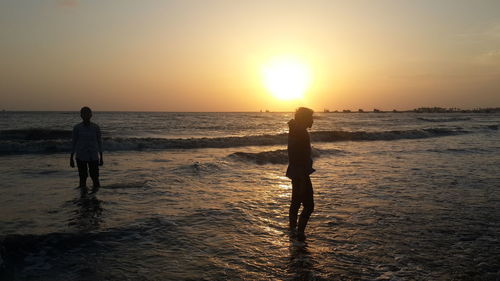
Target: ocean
column 203, row 196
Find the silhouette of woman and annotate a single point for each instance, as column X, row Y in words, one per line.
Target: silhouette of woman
column 299, row 169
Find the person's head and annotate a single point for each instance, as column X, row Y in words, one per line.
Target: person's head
column 304, row 117
column 86, row 113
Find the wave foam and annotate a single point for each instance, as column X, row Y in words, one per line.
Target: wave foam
column 21, row 144
column 16, row 249
column 279, row 156
column 451, row 119
column 332, row 136
column 35, row 134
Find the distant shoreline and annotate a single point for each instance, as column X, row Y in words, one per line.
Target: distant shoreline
column 422, row 110
column 416, row 110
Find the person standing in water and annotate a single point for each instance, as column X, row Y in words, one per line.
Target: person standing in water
column 87, row 145
column 299, row 169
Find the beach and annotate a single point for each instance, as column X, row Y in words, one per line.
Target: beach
column 203, row 196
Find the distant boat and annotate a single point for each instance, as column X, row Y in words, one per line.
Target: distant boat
column 326, row 110
column 267, row 110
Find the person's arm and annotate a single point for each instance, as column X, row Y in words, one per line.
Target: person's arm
column 74, row 139
column 99, row 146
column 301, row 147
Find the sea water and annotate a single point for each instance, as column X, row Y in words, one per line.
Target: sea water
column 203, row 196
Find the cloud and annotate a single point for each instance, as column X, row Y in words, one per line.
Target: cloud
column 490, row 57
column 494, row 31
column 488, row 33
column 68, row 3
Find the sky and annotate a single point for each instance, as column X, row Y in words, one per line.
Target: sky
column 209, row 55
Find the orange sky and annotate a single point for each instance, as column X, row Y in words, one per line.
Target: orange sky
column 209, row 55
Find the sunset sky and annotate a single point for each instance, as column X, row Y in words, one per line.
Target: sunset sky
column 212, row 55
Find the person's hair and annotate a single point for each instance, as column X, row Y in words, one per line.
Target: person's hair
column 85, row 109
column 302, row 113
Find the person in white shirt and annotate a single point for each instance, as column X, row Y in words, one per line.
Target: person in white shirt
column 87, row 145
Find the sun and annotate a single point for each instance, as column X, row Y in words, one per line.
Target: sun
column 287, row 78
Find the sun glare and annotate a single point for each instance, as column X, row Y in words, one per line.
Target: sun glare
column 287, row 78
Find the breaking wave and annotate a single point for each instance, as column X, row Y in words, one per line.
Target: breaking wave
column 279, row 156
column 54, row 141
column 198, row 168
column 451, row 119
column 23, row 250
column 35, row 134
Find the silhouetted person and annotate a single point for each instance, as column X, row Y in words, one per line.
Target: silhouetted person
column 299, row 169
column 87, row 145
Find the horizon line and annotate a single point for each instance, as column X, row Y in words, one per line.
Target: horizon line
column 325, row 110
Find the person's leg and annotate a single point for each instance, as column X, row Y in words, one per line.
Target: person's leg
column 308, row 203
column 82, row 172
column 295, row 203
column 94, row 175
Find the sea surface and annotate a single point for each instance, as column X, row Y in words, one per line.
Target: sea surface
column 203, row 196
